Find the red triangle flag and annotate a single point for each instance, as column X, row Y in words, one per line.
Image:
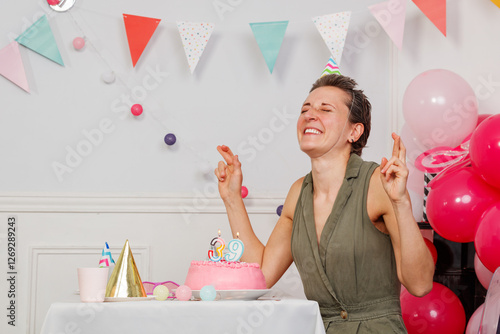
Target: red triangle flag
column 139, row 31
column 435, row 10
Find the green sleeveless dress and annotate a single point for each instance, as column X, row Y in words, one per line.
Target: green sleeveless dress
column 352, row 272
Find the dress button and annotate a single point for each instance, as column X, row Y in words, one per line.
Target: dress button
column 343, row 314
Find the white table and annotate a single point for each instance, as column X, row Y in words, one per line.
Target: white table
column 218, row 317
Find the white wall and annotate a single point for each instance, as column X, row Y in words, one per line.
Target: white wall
column 133, row 186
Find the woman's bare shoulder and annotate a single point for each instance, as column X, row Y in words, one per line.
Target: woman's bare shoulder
column 291, row 199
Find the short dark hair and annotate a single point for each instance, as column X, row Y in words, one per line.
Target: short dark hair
column 358, row 104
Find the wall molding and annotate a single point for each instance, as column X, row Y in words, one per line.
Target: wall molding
column 37, row 251
column 112, row 203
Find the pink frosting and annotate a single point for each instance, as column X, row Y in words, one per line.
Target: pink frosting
column 225, row 275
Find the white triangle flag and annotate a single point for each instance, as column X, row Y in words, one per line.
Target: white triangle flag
column 194, row 38
column 333, row 29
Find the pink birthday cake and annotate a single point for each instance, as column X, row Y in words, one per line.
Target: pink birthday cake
column 224, row 275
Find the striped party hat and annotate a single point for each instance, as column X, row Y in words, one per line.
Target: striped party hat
column 106, row 258
column 331, row 68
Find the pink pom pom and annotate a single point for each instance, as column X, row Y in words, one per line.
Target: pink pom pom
column 78, row 43
column 136, row 109
column 244, row 192
column 183, row 293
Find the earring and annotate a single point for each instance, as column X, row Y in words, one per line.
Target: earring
column 352, row 140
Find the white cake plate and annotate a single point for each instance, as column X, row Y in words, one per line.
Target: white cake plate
column 235, row 294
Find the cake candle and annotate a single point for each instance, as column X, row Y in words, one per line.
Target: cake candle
column 236, row 248
column 216, row 253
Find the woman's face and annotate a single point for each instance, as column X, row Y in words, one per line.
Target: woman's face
column 322, row 126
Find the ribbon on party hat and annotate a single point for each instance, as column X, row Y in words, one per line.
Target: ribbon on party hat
column 331, row 68
column 106, row 258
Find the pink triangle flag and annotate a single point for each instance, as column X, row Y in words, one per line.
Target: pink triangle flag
column 194, row 38
column 435, row 10
column 11, row 65
column 391, row 16
column 333, row 29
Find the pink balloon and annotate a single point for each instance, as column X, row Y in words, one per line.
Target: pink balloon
column 78, row 43
column 475, row 320
column 432, row 249
column 487, row 240
column 482, row 117
column 440, row 107
column 485, row 150
column 413, row 147
column 438, row 312
column 454, row 208
column 483, row 274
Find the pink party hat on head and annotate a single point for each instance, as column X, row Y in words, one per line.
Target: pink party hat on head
column 331, row 68
column 106, row 258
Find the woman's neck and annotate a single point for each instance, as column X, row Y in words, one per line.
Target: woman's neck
column 328, row 173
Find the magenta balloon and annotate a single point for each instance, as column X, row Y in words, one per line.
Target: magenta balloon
column 485, row 150
column 482, row 117
column 440, row 107
column 438, row 312
column 454, row 208
column 475, row 320
column 487, row 240
column 483, row 274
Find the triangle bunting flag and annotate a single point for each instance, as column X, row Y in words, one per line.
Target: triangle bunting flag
column 333, row 29
column 39, row 38
column 331, row 68
column 11, row 65
column 496, row 2
column 391, row 16
column 139, row 30
column 435, row 10
column 269, row 36
column 194, row 38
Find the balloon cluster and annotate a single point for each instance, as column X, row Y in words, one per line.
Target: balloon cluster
column 445, row 136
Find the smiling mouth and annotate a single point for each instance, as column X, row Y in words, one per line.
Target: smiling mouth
column 312, row 131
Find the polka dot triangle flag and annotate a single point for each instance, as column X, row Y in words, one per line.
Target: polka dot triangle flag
column 11, row 65
column 331, row 68
column 39, row 38
column 333, row 29
column 194, row 38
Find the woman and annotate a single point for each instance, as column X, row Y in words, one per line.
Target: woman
column 348, row 224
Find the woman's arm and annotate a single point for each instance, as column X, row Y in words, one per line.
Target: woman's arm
column 413, row 258
column 275, row 257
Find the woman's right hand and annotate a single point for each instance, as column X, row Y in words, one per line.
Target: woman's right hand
column 229, row 174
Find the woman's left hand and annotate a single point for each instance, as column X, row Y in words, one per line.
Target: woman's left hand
column 393, row 172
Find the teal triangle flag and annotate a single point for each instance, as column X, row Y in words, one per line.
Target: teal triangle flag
column 269, row 36
column 39, row 38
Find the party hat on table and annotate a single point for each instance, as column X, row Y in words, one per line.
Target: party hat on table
column 106, row 258
column 125, row 280
column 331, row 68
